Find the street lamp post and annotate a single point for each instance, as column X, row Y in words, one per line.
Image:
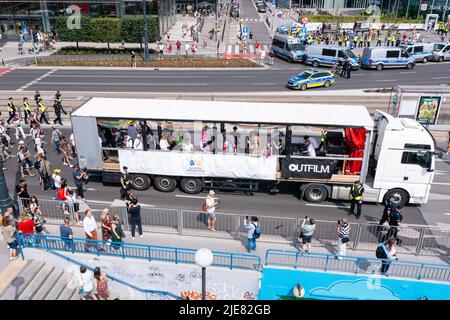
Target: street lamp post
column 144, row 12
column 203, row 258
column 5, row 199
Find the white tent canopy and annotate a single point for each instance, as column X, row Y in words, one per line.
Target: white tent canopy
column 234, row 112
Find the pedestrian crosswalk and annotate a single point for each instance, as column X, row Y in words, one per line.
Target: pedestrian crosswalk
column 4, row 70
column 236, row 49
column 250, row 20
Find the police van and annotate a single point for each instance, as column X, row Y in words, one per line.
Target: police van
column 419, row 51
column 288, row 47
column 386, row 57
column 441, row 52
column 323, row 55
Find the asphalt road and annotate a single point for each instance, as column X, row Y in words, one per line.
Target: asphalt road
column 284, row 204
column 273, row 80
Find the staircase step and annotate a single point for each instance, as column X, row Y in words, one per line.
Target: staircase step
column 11, row 271
column 67, row 294
column 59, row 287
column 22, row 280
column 36, row 283
column 48, row 284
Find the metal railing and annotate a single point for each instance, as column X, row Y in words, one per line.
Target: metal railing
column 137, row 251
column 356, row 265
column 416, row 239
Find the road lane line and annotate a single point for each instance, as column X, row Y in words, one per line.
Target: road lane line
column 408, row 72
column 32, row 82
column 192, row 197
column 359, row 74
column 264, row 84
column 437, row 78
column 123, row 84
column 442, row 183
column 386, row 80
column 229, row 49
column 120, row 76
column 326, row 205
column 236, row 49
column 244, row 77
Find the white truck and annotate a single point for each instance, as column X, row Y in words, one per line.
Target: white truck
column 242, row 146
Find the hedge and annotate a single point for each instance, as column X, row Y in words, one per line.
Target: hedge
column 106, row 30
column 74, row 35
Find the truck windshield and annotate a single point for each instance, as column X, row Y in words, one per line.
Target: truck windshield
column 438, row 47
column 296, row 46
column 350, row 54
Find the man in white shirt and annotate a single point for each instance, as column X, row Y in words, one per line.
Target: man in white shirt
column 187, row 48
column 309, row 147
column 187, row 146
column 163, row 143
column 56, row 181
column 211, row 206
column 86, row 285
column 90, row 228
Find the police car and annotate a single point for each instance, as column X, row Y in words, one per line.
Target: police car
column 310, row 79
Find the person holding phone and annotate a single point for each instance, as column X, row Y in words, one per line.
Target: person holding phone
column 343, row 233
column 306, row 231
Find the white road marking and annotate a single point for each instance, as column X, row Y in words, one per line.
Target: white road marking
column 326, row 205
column 36, row 80
column 441, row 172
column 359, row 74
column 229, row 49
column 236, row 49
column 387, row 80
column 86, row 189
column 436, row 78
column 408, row 72
column 442, row 183
column 243, row 76
column 192, row 197
column 264, row 84
column 125, row 83
column 120, row 76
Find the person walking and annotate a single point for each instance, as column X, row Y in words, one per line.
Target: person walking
column 135, row 218
column 395, row 217
column 8, row 232
column 211, row 205
column 66, row 233
column 133, row 58
column 101, row 284
column 65, row 150
column 37, row 97
column 106, row 225
column 125, row 181
column 348, row 70
column 263, row 57
column 90, row 229
column 253, row 232
column 85, row 284
column 271, row 56
column 306, row 231
column 43, row 111
column 19, row 131
column 178, row 46
column 56, row 139
column 11, row 110
column 57, row 106
column 387, row 251
column 26, row 110
column 356, row 196
column 343, row 234
column 117, row 234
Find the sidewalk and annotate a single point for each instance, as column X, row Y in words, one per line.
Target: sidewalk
column 194, row 242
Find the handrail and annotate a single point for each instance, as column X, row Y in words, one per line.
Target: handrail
column 49, row 241
column 116, row 279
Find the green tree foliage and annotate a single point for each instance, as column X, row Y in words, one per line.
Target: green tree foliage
column 106, row 30
column 72, row 32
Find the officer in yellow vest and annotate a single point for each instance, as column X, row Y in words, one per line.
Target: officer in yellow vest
column 355, row 40
column 26, row 109
column 11, row 110
column 43, row 110
column 347, row 40
column 340, row 39
column 356, row 196
column 369, row 40
column 379, row 39
column 323, row 136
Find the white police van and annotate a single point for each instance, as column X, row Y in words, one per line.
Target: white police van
column 288, row 47
column 421, row 52
column 323, row 55
column 441, row 52
column 386, row 57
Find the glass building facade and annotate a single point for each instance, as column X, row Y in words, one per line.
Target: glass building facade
column 18, row 15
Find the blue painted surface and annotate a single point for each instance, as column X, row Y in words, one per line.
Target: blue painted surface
column 331, row 286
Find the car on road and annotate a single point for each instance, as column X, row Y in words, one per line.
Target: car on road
column 387, row 57
column 310, row 79
column 287, row 47
column 441, row 52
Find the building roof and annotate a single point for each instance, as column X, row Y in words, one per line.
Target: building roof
column 220, row 111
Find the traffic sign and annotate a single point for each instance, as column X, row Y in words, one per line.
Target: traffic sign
column 244, row 30
column 304, row 30
column 305, row 20
column 244, row 37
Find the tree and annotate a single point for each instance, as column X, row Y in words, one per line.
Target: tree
column 106, row 30
column 72, row 32
column 132, row 29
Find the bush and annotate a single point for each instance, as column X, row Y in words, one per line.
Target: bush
column 106, row 30
column 76, row 35
column 132, row 29
column 95, row 51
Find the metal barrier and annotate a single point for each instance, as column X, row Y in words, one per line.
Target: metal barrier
column 357, row 265
column 138, row 251
column 416, row 239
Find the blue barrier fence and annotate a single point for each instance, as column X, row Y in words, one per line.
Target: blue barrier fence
column 357, row 265
column 138, row 251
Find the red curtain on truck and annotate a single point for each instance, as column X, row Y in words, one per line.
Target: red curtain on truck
column 355, row 141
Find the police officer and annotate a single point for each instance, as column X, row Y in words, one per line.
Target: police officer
column 369, row 40
column 379, row 38
column 26, row 109
column 340, row 39
column 388, row 206
column 11, row 110
column 125, row 181
column 323, row 136
column 42, row 110
column 37, row 96
column 348, row 69
column 356, row 195
column 355, row 40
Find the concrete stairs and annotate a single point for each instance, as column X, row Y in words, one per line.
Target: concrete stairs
column 35, row 280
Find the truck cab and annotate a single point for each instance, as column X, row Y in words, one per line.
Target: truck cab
column 402, row 160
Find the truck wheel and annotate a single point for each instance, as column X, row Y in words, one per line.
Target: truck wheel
column 400, row 194
column 140, row 182
column 315, row 63
column 379, row 67
column 165, row 184
column 191, row 185
column 409, row 66
column 316, row 193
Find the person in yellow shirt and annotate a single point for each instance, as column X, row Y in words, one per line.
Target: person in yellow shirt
column 26, row 109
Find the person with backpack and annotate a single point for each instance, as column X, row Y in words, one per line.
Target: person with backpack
column 253, row 232
column 56, row 138
column 388, row 252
